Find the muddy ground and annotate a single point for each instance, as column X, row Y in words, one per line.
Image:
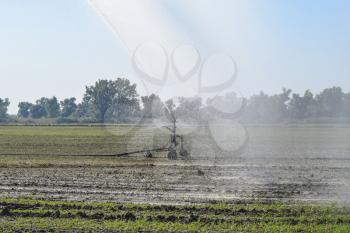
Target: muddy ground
column 280, row 163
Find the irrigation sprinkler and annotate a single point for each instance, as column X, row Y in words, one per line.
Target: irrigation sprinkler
column 174, row 147
column 176, row 141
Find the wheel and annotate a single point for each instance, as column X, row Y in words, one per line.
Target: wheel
column 148, row 154
column 184, row 153
column 172, row 155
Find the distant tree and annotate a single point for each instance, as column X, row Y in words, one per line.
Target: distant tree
column 86, row 109
column 310, row 103
column 189, row 108
column 301, row 107
column 53, row 108
column 228, row 103
column 265, row 108
column 107, row 93
column 24, row 109
column 346, row 105
column 279, row 105
column 296, row 110
column 330, row 102
column 126, row 105
column 258, row 108
column 101, row 95
column 37, row 111
column 152, row 106
column 43, row 101
column 68, row 107
column 186, row 109
column 124, row 112
column 4, row 104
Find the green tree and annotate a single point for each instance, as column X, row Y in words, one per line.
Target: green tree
column 125, row 104
column 258, row 107
column 301, row 107
column 68, row 107
column 346, row 105
column 279, row 105
column 330, row 102
column 189, row 108
column 24, row 109
column 152, row 106
column 53, row 108
column 185, row 109
column 86, row 109
column 101, row 95
column 118, row 96
column 37, row 111
column 4, row 104
column 265, row 108
column 230, row 103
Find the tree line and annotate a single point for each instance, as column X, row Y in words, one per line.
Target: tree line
column 117, row 101
column 331, row 104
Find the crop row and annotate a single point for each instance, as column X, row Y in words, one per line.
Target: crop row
column 255, row 217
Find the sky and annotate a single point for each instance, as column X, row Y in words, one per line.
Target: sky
column 57, row 47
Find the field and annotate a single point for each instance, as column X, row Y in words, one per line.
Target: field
column 57, row 177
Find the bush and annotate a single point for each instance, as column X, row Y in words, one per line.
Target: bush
column 89, row 120
column 66, row 120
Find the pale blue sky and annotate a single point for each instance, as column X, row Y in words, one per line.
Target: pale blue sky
column 57, row 47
